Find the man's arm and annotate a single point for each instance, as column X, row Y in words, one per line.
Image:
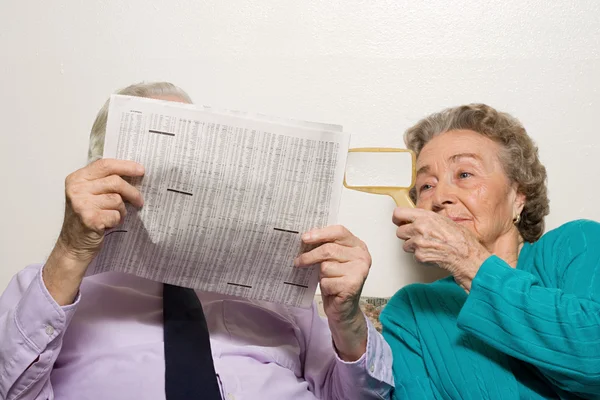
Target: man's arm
column 37, row 306
column 361, row 364
column 32, row 326
column 331, row 378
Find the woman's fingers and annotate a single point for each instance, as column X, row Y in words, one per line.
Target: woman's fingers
column 409, row 246
column 429, row 225
column 404, row 232
column 404, row 215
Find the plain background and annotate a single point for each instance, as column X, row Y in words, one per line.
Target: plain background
column 374, row 67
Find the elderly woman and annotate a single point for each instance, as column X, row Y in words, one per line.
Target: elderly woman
column 519, row 317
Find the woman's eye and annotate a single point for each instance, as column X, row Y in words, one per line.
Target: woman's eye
column 425, row 187
column 464, row 175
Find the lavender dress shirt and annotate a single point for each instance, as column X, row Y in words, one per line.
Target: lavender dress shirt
column 109, row 345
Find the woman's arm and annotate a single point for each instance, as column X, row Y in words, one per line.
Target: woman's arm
column 399, row 330
column 556, row 330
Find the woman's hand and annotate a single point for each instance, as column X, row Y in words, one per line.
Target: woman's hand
column 344, row 263
column 439, row 240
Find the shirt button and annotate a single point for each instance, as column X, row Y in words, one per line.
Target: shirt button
column 372, row 368
column 49, row 330
column 230, row 396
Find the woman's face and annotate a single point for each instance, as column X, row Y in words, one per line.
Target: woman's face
column 459, row 175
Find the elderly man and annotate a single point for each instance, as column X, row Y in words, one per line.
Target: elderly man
column 64, row 336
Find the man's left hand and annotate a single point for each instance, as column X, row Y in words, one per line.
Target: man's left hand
column 344, row 263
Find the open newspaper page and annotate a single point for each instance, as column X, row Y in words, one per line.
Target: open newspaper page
column 226, row 198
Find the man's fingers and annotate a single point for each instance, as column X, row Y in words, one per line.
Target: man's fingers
column 333, row 286
column 335, row 233
column 122, row 211
column 105, row 219
column 329, row 252
column 108, row 166
column 118, row 185
column 111, row 218
column 109, row 201
column 332, row 269
column 348, row 285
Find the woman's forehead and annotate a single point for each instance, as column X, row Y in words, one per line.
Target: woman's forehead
column 453, row 146
column 457, row 142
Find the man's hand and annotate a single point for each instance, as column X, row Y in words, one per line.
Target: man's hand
column 95, row 202
column 344, row 265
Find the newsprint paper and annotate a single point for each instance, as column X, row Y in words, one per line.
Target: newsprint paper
column 227, row 196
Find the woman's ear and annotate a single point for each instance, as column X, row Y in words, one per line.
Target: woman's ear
column 519, row 202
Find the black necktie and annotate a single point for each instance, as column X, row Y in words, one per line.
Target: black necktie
column 189, row 369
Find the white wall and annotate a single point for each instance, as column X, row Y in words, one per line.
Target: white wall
column 373, row 66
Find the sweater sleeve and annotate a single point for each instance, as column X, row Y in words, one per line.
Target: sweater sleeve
column 553, row 324
column 400, row 331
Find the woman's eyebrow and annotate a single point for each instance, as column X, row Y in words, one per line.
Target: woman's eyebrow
column 457, row 157
column 423, row 170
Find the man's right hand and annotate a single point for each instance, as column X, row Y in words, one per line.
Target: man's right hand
column 95, row 202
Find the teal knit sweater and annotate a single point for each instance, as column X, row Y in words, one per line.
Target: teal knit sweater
column 527, row 333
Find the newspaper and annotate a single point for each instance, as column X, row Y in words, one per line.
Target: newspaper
column 227, row 196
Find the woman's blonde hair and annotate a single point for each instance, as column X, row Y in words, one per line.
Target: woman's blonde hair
column 143, row 89
column 519, row 156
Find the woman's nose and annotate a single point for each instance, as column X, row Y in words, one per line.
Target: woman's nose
column 444, row 195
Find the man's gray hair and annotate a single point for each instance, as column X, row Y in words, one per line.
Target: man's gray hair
column 143, row 89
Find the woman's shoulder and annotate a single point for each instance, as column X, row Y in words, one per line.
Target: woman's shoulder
column 578, row 226
column 416, row 295
column 574, row 235
column 567, row 254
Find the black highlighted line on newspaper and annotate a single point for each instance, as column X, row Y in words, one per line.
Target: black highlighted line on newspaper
column 161, row 132
column 180, row 192
column 295, row 284
column 239, row 284
column 115, row 231
column 285, row 230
